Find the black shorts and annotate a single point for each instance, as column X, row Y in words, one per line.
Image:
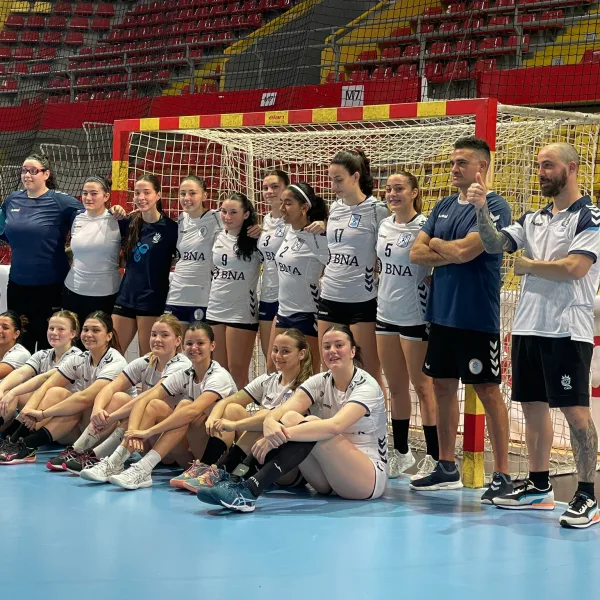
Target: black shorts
column 552, row 370
column 465, row 354
column 132, row 313
column 82, row 306
column 417, row 333
column 245, row 326
column 304, row 322
column 187, row 314
column 347, row 313
column 267, row 311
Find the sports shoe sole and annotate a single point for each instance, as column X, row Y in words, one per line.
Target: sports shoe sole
column 538, row 506
column 19, row 461
column 95, row 479
column 244, row 509
column 52, row 467
column 144, row 484
column 454, row 485
column 595, row 520
column 178, row 483
column 73, row 472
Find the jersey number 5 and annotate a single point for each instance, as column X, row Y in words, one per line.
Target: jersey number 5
column 388, row 249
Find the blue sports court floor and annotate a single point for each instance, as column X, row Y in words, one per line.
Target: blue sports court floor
column 65, row 539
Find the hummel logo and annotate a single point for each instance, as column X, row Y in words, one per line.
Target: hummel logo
column 427, row 366
column 277, row 467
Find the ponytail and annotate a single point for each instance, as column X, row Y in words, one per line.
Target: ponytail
column 306, row 369
column 246, row 246
column 107, row 321
column 355, row 161
column 51, row 183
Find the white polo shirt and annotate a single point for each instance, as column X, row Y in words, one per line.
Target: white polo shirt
column 558, row 308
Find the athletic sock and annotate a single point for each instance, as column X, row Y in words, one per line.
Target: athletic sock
column 119, row 456
column 39, row 438
column 431, row 441
column 232, row 459
column 277, row 463
column 541, row 479
column 110, row 444
column 12, row 428
column 22, row 431
column 247, row 468
column 150, row 461
column 400, row 432
column 215, row 448
column 88, row 439
column 586, row 487
column 449, row 465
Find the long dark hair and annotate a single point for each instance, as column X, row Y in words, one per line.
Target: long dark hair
column 246, row 245
column 134, row 231
column 107, row 321
column 281, row 175
column 17, row 321
column 318, row 209
column 103, row 183
column 348, row 333
column 414, row 185
column 355, row 161
column 197, row 180
column 51, row 183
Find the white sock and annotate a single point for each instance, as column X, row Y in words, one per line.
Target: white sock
column 110, row 444
column 119, row 456
column 150, row 461
column 86, row 440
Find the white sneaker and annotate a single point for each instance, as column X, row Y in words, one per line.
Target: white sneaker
column 133, row 478
column 101, row 471
column 426, row 466
column 399, row 463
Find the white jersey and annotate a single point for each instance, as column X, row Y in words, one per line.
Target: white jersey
column 369, row 433
column 79, row 368
column 402, row 291
column 45, row 360
column 300, row 262
column 216, row 380
column 95, row 243
column 141, row 371
column 16, row 357
column 558, row 308
column 273, row 231
column 267, row 391
column 352, row 237
column 233, row 292
column 190, row 284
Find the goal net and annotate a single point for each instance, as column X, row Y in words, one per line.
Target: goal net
column 233, row 151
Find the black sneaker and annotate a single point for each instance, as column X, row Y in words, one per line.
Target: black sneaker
column 438, row 479
column 86, row 460
column 582, row 512
column 501, row 485
column 17, row 454
column 56, row 463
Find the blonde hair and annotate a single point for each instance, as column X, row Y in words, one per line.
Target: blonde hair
column 306, row 370
column 173, row 323
column 69, row 316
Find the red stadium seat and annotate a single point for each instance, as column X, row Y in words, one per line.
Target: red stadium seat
column 19, row 68
column 528, row 21
column 382, row 73
column 367, row 56
column 5, row 52
column 164, row 76
column 52, row 38
column 457, row 8
column 484, row 65
column 105, row 10
column 359, row 76
column 59, row 23
column 432, row 11
column 81, row 81
column 406, row 71
column 9, row 85
column 255, row 20
column 46, row 53
column 82, row 97
column 35, row 22
column 434, row 72
column 100, row 24
column 456, row 71
column 501, row 24
column 114, row 95
column 448, row 28
column 84, row 9
column 391, row 54
column 490, row 45
column 30, row 37
column 74, row 39
column 23, row 53
column 412, row 51
column 510, row 4
column 63, row 8
column 513, row 41
column 15, row 22
column 466, row 46
column 427, row 28
column 473, row 25
column 439, row 48
column 8, row 37
column 552, row 15
column 591, row 57
column 480, row 5
column 97, row 96
column 331, row 76
column 40, row 68
column 79, row 24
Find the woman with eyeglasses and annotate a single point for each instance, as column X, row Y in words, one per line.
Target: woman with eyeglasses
column 36, row 222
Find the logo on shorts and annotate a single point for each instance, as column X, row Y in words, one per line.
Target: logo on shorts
column 403, row 240
column 156, row 238
column 475, row 366
column 565, row 381
column 354, row 221
column 198, row 314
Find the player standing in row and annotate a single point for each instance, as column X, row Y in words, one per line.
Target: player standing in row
column 300, row 261
column 149, row 248
column 233, row 306
column 401, row 329
column 348, row 288
column 270, row 240
column 464, row 311
column 553, row 327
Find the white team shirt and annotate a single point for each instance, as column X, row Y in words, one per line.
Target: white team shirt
column 16, row 357
column 267, row 391
column 190, row 284
column 558, row 308
column 270, row 240
column 233, row 292
column 45, row 360
column 402, row 291
column 216, row 380
column 352, row 237
column 300, row 262
column 140, row 371
column 96, row 243
column 79, row 368
column 369, row 433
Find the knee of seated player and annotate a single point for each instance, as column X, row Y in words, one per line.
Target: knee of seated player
column 292, row 418
column 156, row 408
column 234, row 412
column 578, row 417
column 118, row 400
column 53, row 396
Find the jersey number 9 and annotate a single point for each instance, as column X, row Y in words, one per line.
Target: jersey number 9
column 224, row 259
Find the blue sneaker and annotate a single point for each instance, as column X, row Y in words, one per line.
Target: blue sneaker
column 234, row 494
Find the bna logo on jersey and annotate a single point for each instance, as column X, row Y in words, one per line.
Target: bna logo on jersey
column 403, row 240
column 297, row 245
column 354, row 221
column 156, row 238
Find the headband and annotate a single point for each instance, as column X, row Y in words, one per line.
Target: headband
column 303, row 194
column 100, row 180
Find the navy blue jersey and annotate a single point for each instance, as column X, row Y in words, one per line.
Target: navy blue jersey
column 36, row 230
column 146, row 281
column 466, row 296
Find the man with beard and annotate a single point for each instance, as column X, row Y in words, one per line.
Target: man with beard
column 553, row 329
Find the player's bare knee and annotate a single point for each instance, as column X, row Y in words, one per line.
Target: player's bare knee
column 292, row 418
column 234, row 411
column 578, row 417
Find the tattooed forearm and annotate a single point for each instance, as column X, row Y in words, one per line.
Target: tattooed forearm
column 585, row 449
column 493, row 241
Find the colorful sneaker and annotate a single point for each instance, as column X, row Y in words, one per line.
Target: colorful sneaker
column 439, row 479
column 195, row 469
column 399, row 463
column 526, row 496
column 17, row 454
column 211, row 476
column 582, row 512
column 501, row 485
column 233, row 494
column 425, row 468
column 133, row 478
column 85, row 460
column 102, row 471
column 57, row 463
